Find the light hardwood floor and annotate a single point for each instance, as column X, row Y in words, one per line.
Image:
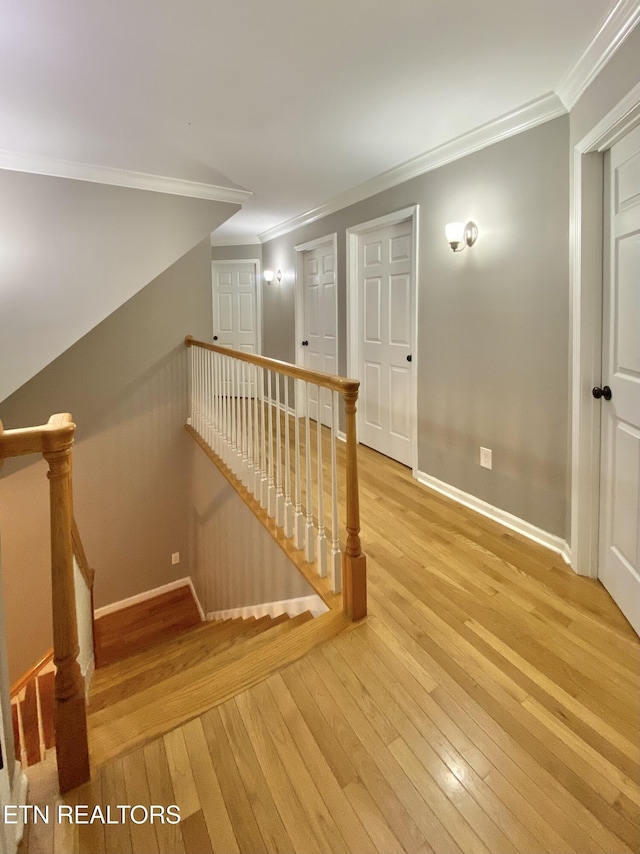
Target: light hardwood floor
column 489, row 703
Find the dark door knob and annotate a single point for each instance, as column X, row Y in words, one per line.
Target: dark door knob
column 598, row 392
column 215, row 337
column 305, row 343
column 409, row 358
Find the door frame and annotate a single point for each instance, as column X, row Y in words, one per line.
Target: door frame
column 258, row 265
column 354, row 348
column 300, row 249
column 586, row 266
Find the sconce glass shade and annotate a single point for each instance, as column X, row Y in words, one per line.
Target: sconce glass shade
column 460, row 235
column 454, row 232
column 268, row 276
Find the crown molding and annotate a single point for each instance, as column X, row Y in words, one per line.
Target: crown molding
column 236, row 240
column 611, row 33
column 15, row 162
column 523, row 118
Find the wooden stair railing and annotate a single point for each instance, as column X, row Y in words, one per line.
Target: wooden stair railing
column 54, row 441
column 240, row 410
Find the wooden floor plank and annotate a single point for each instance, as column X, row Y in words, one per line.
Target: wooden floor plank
column 243, row 821
column 161, row 792
column 347, row 821
column 144, row 839
column 264, row 808
column 294, row 817
column 504, row 711
column 214, row 810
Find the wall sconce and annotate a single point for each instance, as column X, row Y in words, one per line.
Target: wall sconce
column 269, row 276
column 461, row 233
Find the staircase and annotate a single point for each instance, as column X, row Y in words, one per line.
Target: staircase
column 145, row 695
column 167, row 680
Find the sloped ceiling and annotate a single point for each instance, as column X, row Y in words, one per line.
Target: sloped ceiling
column 71, row 252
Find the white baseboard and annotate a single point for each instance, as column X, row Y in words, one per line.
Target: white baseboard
column 531, row 532
column 293, row 607
column 151, row 594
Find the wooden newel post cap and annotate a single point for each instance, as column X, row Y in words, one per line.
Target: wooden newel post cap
column 1, row 432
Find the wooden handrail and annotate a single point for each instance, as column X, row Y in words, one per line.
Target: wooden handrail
column 57, row 432
column 339, row 384
column 24, row 680
column 54, row 441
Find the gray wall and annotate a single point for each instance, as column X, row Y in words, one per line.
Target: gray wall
column 236, row 253
column 125, row 384
column 493, row 321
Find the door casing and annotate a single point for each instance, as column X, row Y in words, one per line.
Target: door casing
column 586, row 266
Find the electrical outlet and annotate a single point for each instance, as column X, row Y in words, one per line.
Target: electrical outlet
column 175, row 558
column 485, row 458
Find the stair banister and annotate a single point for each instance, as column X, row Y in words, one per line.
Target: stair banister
column 54, row 441
column 353, row 576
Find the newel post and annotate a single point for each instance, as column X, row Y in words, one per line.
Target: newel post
column 354, row 563
column 70, row 718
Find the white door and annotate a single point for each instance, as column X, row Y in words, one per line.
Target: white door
column 320, row 321
column 235, row 317
column 386, row 307
column 619, row 559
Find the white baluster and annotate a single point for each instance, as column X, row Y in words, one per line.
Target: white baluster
column 336, row 557
column 217, row 413
column 192, row 389
column 279, row 492
column 321, row 551
column 223, row 409
column 196, row 374
column 264, row 480
column 232, row 409
column 212, row 399
column 238, row 408
column 243, row 423
column 298, row 528
column 271, row 503
column 288, row 506
column 250, row 444
column 309, row 533
column 208, row 390
column 256, row 430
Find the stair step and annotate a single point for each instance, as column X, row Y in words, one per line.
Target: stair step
column 138, row 627
column 119, row 681
column 133, row 721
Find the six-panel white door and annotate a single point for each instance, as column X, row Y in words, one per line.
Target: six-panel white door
column 320, row 321
column 385, row 312
column 234, row 305
column 619, row 559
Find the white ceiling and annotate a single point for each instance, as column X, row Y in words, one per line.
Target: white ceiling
column 295, row 100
